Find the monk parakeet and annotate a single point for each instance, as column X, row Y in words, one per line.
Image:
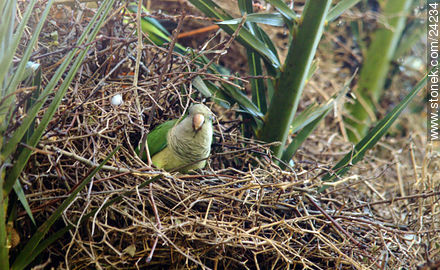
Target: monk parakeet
column 174, row 144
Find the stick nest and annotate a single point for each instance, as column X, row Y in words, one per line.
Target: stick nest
column 240, row 212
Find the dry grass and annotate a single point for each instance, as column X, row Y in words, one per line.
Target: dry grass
column 242, row 211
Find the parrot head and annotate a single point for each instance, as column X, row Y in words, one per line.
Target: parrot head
column 200, row 115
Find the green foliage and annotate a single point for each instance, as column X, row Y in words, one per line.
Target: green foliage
column 261, row 51
column 372, row 137
column 274, row 19
column 33, row 246
column 376, row 67
column 275, row 99
column 272, row 107
column 281, row 96
column 339, row 8
column 156, row 32
column 308, row 120
column 294, row 74
column 273, row 104
column 245, row 37
column 13, row 155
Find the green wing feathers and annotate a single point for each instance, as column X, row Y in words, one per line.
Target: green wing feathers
column 157, row 138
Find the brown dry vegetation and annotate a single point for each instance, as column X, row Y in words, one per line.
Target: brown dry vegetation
column 242, row 211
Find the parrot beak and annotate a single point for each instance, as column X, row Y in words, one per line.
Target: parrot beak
column 198, row 120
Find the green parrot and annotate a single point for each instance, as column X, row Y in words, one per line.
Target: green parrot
column 177, row 143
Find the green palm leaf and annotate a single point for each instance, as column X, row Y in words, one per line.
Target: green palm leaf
column 372, row 137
